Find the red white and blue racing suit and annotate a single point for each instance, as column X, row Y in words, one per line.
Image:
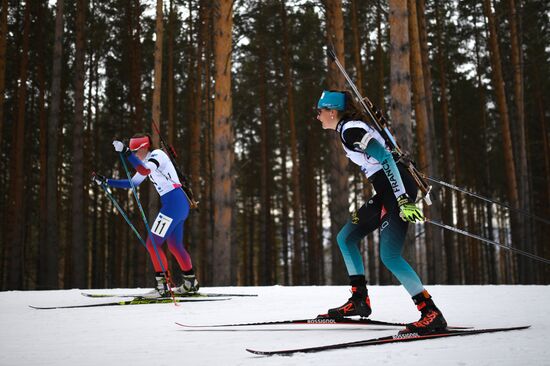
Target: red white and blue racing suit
column 168, row 225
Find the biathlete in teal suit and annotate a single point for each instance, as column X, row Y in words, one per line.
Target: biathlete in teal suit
column 391, row 210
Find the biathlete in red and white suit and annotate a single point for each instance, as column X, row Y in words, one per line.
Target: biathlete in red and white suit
column 168, row 225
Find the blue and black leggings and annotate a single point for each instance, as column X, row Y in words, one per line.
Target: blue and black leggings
column 381, row 211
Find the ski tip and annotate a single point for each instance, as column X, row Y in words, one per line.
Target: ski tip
column 183, row 325
column 521, row 327
column 260, row 353
column 42, row 307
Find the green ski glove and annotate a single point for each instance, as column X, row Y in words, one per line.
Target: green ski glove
column 408, row 210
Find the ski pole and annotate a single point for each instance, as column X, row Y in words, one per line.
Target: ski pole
column 473, row 194
column 146, row 222
column 488, row 241
column 122, row 213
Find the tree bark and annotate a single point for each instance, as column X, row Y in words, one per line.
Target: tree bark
column 266, row 234
column 498, row 83
column 3, row 43
column 434, row 253
column 502, row 106
column 338, row 178
column 206, row 215
column 49, row 264
column 78, row 248
column 400, row 77
column 17, row 227
column 297, row 261
column 170, row 88
column 195, row 129
column 134, row 34
column 524, row 195
column 43, row 140
column 314, row 244
column 223, row 198
column 356, row 47
column 448, row 237
column 284, row 203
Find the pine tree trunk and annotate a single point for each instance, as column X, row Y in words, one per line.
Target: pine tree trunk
column 3, row 203
column 426, row 69
column 400, row 77
column 170, row 89
column 459, row 259
column 206, row 214
column 400, row 89
column 484, row 128
column 380, row 59
column 338, row 177
column 17, row 227
column 283, row 196
column 223, row 139
column 206, row 217
column 524, row 195
column 157, row 85
column 134, row 33
column 314, row 243
column 448, row 237
column 49, row 265
column 542, row 122
column 3, row 43
column 195, row 128
column 356, row 47
column 78, row 249
column 266, row 234
column 436, row 209
column 498, row 84
column 43, row 143
column 432, row 249
column 297, row 261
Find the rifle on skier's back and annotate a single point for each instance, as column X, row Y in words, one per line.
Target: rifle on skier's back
column 381, row 125
column 185, row 184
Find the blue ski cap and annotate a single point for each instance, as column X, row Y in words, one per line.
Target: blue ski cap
column 332, row 100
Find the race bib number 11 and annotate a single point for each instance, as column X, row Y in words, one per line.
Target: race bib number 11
column 161, row 225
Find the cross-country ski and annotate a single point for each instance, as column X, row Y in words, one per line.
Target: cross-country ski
column 396, row 338
column 148, row 295
column 318, row 321
column 136, row 301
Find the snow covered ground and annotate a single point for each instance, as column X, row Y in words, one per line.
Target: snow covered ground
column 147, row 335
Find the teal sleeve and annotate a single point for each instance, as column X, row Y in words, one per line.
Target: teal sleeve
column 385, row 158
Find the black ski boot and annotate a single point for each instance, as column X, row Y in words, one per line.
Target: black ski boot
column 189, row 284
column 357, row 304
column 161, row 288
column 431, row 319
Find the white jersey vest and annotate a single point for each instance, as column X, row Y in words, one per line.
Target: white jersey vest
column 368, row 164
column 164, row 176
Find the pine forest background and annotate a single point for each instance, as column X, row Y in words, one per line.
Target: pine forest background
column 234, row 86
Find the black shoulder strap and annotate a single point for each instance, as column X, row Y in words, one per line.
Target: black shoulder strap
column 348, row 144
